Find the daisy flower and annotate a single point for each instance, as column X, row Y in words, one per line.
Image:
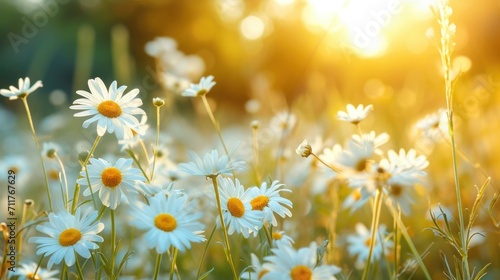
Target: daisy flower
column 23, row 90
column 237, row 209
column 434, row 126
column 161, row 46
column 49, row 150
column 67, row 235
column 360, row 150
column 111, row 181
column 283, row 122
column 211, row 165
column 304, row 149
column 110, row 108
column 286, row 263
column 280, row 236
column 202, row 88
column 359, row 244
column 169, row 220
column 269, row 201
column 354, row 115
column 27, row 272
column 258, row 271
column 174, row 83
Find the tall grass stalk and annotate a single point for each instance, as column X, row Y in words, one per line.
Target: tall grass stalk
column 35, row 138
column 373, row 238
column 84, row 166
column 214, row 122
column 445, row 51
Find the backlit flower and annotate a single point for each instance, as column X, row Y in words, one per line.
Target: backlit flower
column 110, row 108
column 202, row 88
column 269, row 201
column 304, row 149
column 23, row 90
column 354, row 114
column 286, row 263
column 170, row 220
column 67, row 235
column 359, row 244
column 111, row 181
column 237, row 209
column 211, row 165
column 27, row 272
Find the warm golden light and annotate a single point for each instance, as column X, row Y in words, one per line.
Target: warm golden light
column 252, row 27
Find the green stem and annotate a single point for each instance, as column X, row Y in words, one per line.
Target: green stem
column 131, row 154
column 172, row 264
column 215, row 123
column 335, row 169
column 223, row 225
column 374, row 227
column 78, row 268
column 63, row 171
column 28, row 112
column 84, row 165
column 157, row 266
column 113, row 245
column 406, row 236
column 268, row 234
column 156, row 142
column 205, row 251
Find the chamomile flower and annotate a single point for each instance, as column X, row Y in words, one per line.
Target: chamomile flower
column 360, row 150
column 258, row 271
column 359, row 244
column 269, row 201
column 170, row 220
column 111, row 181
column 434, row 126
column 286, row 263
column 283, row 122
column 354, row 114
column 49, row 150
column 67, row 235
column 237, row 209
column 211, row 165
column 280, row 236
column 27, row 272
column 304, row 149
column 113, row 111
column 23, row 90
column 202, row 88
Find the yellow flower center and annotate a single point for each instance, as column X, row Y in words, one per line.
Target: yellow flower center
column 235, row 207
column 32, row 276
column 165, row 222
column 109, row 109
column 261, row 274
column 69, row 237
column 301, row 272
column 361, row 165
column 356, row 194
column 111, row 177
column 259, row 202
column 277, row 235
column 53, row 174
column 368, row 242
column 396, row 190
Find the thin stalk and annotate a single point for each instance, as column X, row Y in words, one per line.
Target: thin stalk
column 215, row 123
column 78, row 267
column 407, row 238
column 335, row 169
column 157, row 140
column 374, row 227
column 223, row 225
column 113, row 244
column 145, row 151
column 84, row 165
column 268, row 234
column 172, row 264
column 255, row 146
column 205, row 251
column 63, row 171
column 30, row 119
column 64, row 270
column 332, row 229
column 446, row 50
column 134, row 158
column 19, row 234
column 157, row 266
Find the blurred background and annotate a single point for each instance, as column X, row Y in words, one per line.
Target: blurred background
column 311, row 57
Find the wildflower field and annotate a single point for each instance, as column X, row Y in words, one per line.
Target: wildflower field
column 231, row 139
